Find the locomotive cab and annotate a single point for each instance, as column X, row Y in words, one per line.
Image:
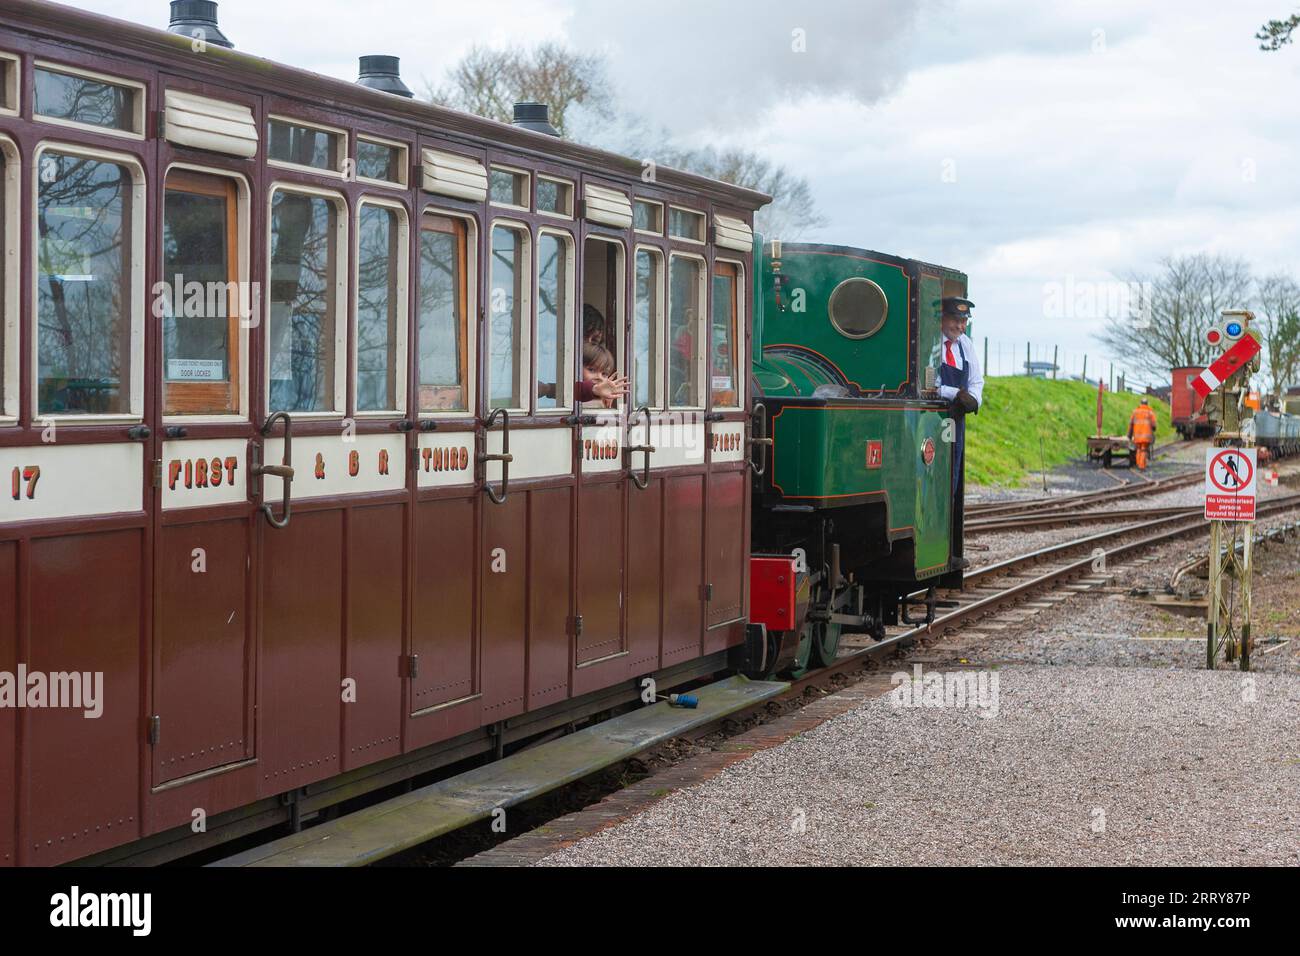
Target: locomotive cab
column 859, row 503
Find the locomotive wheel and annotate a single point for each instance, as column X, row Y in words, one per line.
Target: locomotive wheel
column 824, row 641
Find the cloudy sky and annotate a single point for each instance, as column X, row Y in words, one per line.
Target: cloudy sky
column 1045, row 148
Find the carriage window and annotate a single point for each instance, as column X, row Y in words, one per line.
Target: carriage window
column 84, row 233
column 685, row 301
column 647, row 324
column 381, row 245
column 199, row 296
column 303, row 145
column 509, row 188
column 683, row 224
column 602, row 306
column 443, row 328
column 507, row 338
column 554, row 320
column 723, row 335
column 8, row 320
column 80, row 99
column 554, row 197
column 8, row 84
column 648, row 217
column 304, row 303
column 381, row 162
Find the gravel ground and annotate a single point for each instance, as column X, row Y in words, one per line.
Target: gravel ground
column 1080, row 765
column 983, row 549
column 1111, row 627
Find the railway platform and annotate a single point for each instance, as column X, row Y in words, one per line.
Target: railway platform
column 388, row 828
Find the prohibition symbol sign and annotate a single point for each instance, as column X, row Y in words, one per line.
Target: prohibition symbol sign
column 1231, row 471
column 1230, row 484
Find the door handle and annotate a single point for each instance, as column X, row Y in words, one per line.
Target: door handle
column 505, row 457
column 647, row 449
column 283, row 471
column 759, row 441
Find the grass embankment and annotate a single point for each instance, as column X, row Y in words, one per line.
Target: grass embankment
column 1002, row 440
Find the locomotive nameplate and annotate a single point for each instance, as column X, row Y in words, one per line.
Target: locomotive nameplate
column 728, row 442
column 444, row 461
column 70, row 481
column 601, row 448
column 198, row 474
column 325, row 466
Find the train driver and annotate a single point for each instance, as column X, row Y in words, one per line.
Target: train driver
column 961, row 381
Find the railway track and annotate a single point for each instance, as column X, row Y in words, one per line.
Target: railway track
column 1034, row 506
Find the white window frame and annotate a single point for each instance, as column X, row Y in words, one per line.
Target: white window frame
column 658, row 331
column 343, row 272
column 471, row 316
column 341, row 149
column 403, row 166
column 528, row 187
column 564, row 398
column 573, row 192
column 9, row 248
column 704, row 225
column 663, row 217
column 620, row 302
column 138, row 107
column 701, row 330
column 13, row 86
column 138, row 305
column 741, row 345
column 525, row 338
column 403, row 304
column 243, row 230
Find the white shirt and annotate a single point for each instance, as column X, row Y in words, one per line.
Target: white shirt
column 976, row 384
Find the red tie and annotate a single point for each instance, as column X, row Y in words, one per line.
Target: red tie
column 950, row 359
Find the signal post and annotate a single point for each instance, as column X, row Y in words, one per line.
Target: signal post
column 1231, row 467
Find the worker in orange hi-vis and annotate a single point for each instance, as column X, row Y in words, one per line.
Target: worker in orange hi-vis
column 1142, row 432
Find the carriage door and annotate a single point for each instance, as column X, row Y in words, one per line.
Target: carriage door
column 727, row 508
column 600, row 646
column 201, row 713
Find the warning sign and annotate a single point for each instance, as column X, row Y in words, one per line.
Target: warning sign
column 1230, row 484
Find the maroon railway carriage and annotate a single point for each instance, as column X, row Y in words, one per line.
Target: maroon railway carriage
column 404, row 297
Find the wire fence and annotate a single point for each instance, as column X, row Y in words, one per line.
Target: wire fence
column 1011, row 357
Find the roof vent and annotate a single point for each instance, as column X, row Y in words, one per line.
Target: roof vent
column 197, row 19
column 536, row 117
column 383, row 73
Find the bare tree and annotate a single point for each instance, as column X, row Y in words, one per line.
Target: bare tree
column 488, row 82
column 1279, row 320
column 1181, row 302
column 792, row 211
